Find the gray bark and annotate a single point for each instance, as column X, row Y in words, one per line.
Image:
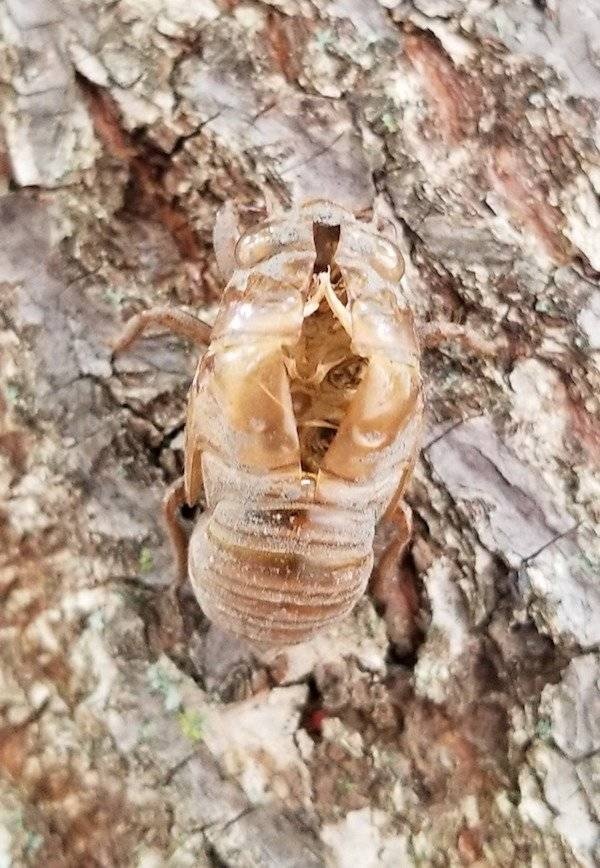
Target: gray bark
column 125, row 125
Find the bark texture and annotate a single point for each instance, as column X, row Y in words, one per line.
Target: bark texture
column 125, row 125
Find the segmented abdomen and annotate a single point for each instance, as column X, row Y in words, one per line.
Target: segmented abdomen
column 280, row 574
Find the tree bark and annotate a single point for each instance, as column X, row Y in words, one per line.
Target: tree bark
column 132, row 732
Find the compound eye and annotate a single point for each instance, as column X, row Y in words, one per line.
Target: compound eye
column 387, row 259
column 256, row 246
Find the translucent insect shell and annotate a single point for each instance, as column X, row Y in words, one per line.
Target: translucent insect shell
column 303, row 424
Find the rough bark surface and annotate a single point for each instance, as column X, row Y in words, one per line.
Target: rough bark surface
column 125, row 125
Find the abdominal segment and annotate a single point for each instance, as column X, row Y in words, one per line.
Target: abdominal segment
column 277, row 576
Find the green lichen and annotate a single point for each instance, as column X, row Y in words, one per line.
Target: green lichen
column 191, row 724
column 544, row 728
column 145, row 561
column 33, row 843
column 160, row 683
column 12, row 393
column 323, row 38
column 389, row 122
column 114, row 297
column 190, row 721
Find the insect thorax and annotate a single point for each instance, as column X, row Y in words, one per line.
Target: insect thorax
column 324, row 376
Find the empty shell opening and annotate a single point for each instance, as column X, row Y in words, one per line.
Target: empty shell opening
column 324, row 371
column 326, row 241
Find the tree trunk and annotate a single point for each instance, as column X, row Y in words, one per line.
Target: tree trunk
column 132, row 732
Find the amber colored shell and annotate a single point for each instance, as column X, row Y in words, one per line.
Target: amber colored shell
column 279, row 576
column 303, row 424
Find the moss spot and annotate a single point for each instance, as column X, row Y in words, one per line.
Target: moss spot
column 543, row 728
column 191, row 724
column 145, row 561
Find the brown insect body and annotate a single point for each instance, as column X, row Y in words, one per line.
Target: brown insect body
column 303, row 424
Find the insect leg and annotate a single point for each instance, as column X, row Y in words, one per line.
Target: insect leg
column 386, row 573
column 395, row 594
column 176, row 321
column 172, row 502
column 432, row 334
